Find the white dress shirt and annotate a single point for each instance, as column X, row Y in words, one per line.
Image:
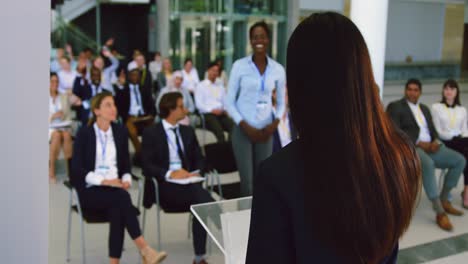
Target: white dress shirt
column 136, row 107
column 424, row 133
column 108, row 76
column 105, row 158
column 450, row 121
column 96, row 89
column 54, row 107
column 155, row 68
column 248, row 90
column 174, row 160
column 190, row 80
column 209, row 96
column 66, row 80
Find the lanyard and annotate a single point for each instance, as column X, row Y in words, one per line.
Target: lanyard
column 103, row 144
column 418, row 115
column 452, row 117
column 262, row 77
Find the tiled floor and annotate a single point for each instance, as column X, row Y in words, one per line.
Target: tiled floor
column 423, row 243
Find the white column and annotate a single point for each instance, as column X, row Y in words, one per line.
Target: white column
column 293, row 15
column 163, row 27
column 370, row 16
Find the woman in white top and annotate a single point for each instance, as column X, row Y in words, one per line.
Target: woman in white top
column 101, row 176
column 59, row 126
column 175, row 85
column 450, row 120
column 155, row 66
column 190, row 75
column 66, row 76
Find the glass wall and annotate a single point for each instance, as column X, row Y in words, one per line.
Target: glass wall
column 205, row 30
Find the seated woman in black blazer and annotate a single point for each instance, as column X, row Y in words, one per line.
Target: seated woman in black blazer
column 345, row 190
column 101, row 176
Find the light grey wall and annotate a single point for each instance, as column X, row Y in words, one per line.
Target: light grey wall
column 24, row 72
column 415, row 29
column 333, row 5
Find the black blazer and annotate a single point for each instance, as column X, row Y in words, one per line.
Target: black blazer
column 145, row 79
column 122, row 100
column 276, row 137
column 400, row 112
column 85, row 93
column 84, row 154
column 278, row 231
column 155, row 156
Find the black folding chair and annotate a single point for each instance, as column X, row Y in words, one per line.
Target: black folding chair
column 220, row 160
column 88, row 216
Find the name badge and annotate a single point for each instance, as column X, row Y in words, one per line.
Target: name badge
column 175, row 166
column 103, row 170
column 263, row 111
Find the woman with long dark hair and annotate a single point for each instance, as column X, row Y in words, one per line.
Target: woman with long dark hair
column 101, row 176
column 450, row 120
column 345, row 191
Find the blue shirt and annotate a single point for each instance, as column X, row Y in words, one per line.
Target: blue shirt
column 245, row 91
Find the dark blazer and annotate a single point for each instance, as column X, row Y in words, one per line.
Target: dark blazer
column 146, row 80
column 84, row 154
column 276, row 137
column 278, row 229
column 400, row 112
column 122, row 100
column 155, row 156
column 85, row 93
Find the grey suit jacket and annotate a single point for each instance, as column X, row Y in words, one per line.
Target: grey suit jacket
column 400, row 112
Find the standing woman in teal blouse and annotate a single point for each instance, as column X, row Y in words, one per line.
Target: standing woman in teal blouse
column 248, row 102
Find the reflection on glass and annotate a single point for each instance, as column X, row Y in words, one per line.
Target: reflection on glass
column 199, row 6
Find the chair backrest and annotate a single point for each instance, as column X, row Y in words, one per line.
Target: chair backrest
column 220, row 156
column 205, row 137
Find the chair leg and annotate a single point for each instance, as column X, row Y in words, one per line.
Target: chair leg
column 209, row 246
column 189, row 226
column 143, row 221
column 69, row 226
column 158, row 219
column 441, row 179
column 220, row 189
column 140, row 188
column 83, row 246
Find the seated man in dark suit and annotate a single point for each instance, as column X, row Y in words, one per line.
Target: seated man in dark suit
column 415, row 120
column 85, row 91
column 169, row 152
column 136, row 108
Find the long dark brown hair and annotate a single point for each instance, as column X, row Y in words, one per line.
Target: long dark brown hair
column 364, row 176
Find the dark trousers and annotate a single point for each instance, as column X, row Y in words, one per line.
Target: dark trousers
column 182, row 197
column 219, row 124
column 460, row 145
column 121, row 214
